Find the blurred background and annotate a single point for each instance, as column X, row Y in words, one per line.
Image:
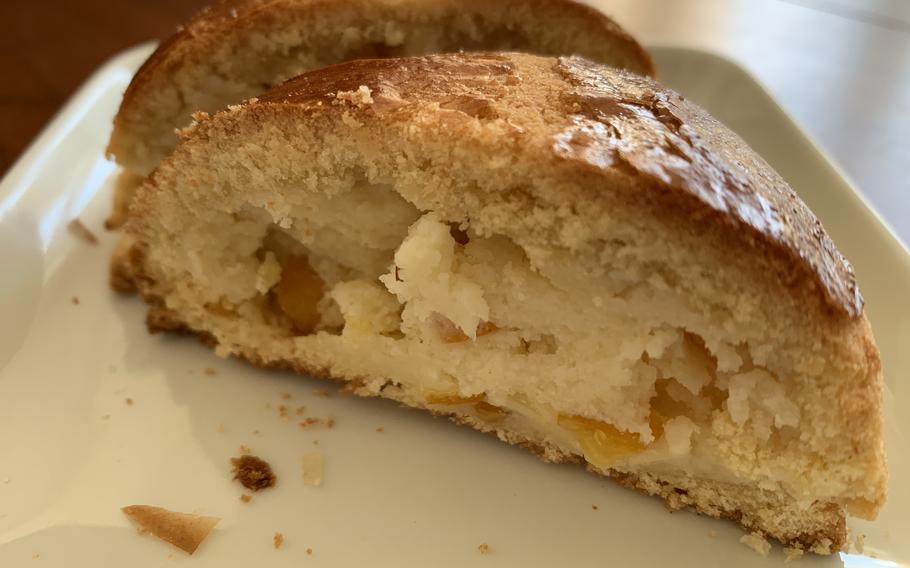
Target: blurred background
column 840, row 67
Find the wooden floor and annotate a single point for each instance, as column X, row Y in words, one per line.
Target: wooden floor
column 841, row 67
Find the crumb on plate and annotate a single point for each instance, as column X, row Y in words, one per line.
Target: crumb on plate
column 791, row 554
column 246, row 498
column 78, row 229
column 312, row 469
column 756, row 542
column 278, row 540
column 184, row 530
column 483, row 547
column 860, row 542
column 312, row 421
column 252, row 472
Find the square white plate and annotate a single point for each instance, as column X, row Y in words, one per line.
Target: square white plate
column 422, row 492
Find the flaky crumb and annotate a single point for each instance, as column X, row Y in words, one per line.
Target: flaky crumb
column 283, row 411
column 257, row 433
column 712, row 533
column 209, row 371
column 756, row 542
column 361, row 97
column 36, row 556
column 220, row 429
column 483, row 547
column 309, row 551
column 300, row 410
column 823, row 546
column 184, row 530
column 322, row 392
column 791, row 554
column 278, row 540
column 253, row 473
column 129, row 402
column 593, row 507
column 244, row 450
column 316, row 442
column 246, row 498
column 75, row 300
column 286, row 395
column 312, row 421
column 105, row 416
column 312, row 469
column 860, row 542
column 380, row 429
column 80, row 231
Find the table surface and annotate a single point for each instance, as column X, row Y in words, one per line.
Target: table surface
column 840, row 67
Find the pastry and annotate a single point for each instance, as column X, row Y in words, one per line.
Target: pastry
column 563, row 253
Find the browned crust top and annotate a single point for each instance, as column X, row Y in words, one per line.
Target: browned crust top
column 608, row 122
column 211, row 25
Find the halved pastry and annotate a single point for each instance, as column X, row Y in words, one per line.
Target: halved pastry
column 563, row 253
column 236, row 49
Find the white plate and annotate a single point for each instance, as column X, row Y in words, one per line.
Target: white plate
column 423, row 492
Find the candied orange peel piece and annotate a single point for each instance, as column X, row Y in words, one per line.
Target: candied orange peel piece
column 485, row 410
column 450, row 333
column 298, row 293
column 603, row 444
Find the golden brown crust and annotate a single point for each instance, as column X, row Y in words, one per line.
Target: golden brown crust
column 660, row 135
column 612, row 123
column 193, row 48
column 832, row 529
